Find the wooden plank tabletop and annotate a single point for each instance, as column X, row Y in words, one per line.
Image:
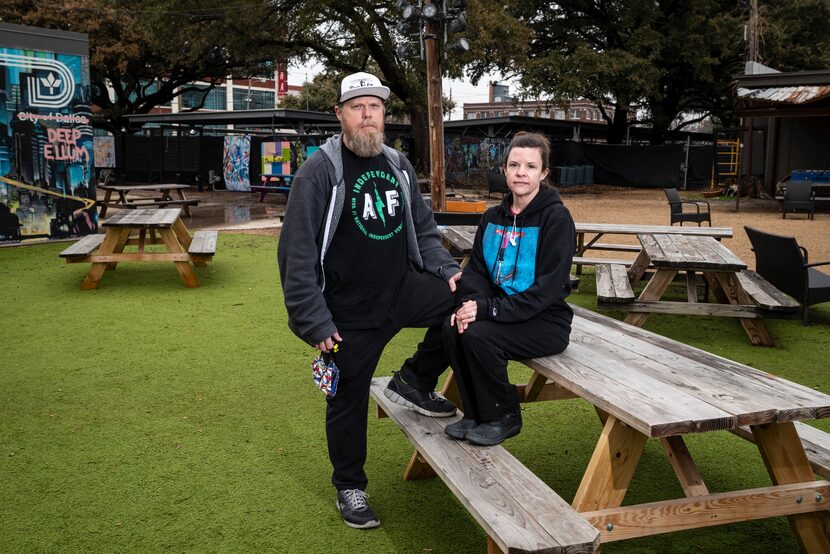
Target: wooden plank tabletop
column 165, row 217
column 662, row 387
column 462, row 236
column 689, row 252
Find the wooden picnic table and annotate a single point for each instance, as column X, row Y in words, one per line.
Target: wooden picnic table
column 164, row 198
column 273, row 182
column 163, row 226
column 643, row 386
column 459, row 238
column 718, row 266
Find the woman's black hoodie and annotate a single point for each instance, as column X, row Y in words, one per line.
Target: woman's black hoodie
column 520, row 265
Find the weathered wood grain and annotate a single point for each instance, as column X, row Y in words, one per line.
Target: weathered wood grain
column 656, row 518
column 515, row 508
column 83, row 247
column 764, row 294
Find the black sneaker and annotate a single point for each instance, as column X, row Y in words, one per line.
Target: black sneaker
column 355, row 510
column 427, row 403
column 495, row 432
column 459, row 429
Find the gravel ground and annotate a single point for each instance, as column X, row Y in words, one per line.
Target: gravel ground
column 241, row 212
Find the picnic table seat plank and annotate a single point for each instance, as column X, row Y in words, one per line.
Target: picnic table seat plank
column 517, row 510
column 764, row 293
column 203, row 243
column 816, row 444
column 593, row 260
column 83, row 247
column 764, row 393
column 613, row 285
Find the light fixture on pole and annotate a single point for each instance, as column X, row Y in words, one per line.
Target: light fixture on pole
column 433, row 21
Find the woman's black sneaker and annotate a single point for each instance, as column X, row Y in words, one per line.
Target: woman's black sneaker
column 459, row 429
column 355, row 510
column 427, row 403
column 495, row 432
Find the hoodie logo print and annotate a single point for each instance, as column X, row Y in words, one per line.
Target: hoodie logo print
column 376, row 205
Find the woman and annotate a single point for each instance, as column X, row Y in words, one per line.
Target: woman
column 512, row 295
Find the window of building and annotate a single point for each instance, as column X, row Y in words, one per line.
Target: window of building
column 215, row 100
column 244, row 99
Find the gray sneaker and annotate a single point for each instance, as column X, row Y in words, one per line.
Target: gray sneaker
column 427, row 403
column 354, row 509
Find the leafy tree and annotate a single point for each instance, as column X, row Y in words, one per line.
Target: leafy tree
column 602, row 50
column 149, row 54
column 794, row 34
column 650, row 60
column 362, row 35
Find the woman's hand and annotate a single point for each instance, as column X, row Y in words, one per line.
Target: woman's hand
column 465, row 315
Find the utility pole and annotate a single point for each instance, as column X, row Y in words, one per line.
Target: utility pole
column 753, row 30
column 436, row 118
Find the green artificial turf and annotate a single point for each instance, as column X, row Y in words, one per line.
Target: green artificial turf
column 145, row 416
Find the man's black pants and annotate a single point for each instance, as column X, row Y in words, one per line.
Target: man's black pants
column 423, row 301
column 479, row 358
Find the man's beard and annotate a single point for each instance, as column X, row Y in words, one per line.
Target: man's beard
column 365, row 145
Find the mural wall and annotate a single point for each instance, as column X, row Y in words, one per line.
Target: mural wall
column 46, row 145
column 468, row 155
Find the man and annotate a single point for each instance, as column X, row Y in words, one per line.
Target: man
column 361, row 258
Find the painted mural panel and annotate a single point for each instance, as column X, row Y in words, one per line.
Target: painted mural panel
column 46, row 146
column 468, row 155
column 236, row 162
column 276, row 158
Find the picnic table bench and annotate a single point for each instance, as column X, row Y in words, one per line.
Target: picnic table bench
column 643, row 386
column 163, row 200
column 162, row 226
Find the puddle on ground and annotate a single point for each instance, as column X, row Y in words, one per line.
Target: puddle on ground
column 236, row 216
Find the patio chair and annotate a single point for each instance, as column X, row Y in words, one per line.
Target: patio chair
column 702, row 212
column 799, row 195
column 496, row 182
column 782, row 262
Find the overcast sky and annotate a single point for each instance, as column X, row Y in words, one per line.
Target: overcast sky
column 462, row 90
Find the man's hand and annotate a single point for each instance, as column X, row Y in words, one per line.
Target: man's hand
column 465, row 315
column 327, row 345
column 453, row 280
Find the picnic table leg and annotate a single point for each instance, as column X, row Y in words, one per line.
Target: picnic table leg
column 185, row 270
column 418, row 468
column 185, row 207
column 684, row 466
column 580, row 249
column 119, row 247
column 787, row 463
column 653, row 291
column 611, row 467
column 108, row 246
column 104, row 206
column 735, row 293
column 635, row 272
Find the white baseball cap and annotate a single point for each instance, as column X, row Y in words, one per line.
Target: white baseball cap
column 361, row 84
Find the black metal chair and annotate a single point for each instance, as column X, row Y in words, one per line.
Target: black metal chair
column 799, row 195
column 782, row 262
column 702, row 212
column 496, row 182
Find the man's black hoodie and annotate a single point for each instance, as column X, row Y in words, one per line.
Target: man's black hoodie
column 521, row 264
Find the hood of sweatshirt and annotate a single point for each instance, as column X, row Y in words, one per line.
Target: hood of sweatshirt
column 545, row 198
